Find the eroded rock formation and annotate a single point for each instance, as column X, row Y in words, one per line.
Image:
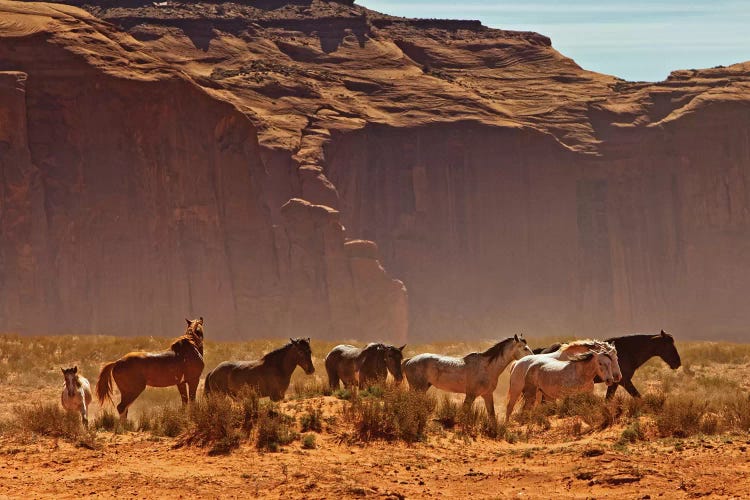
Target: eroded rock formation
column 216, row 157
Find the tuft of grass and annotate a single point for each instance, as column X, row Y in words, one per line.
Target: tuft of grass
column 593, row 410
column 275, row 429
column 49, row 419
column 631, row 433
column 305, row 388
column 106, row 421
column 308, row 442
column 447, row 412
column 399, row 415
column 167, row 420
column 312, row 420
column 344, row 394
column 217, row 422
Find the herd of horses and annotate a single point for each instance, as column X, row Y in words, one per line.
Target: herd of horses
column 543, row 373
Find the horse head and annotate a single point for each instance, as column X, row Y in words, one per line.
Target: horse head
column 666, row 349
column 303, row 354
column 393, row 358
column 520, row 347
column 611, row 351
column 71, row 380
column 603, row 363
column 195, row 330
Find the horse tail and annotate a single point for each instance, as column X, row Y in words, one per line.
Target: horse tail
column 104, row 384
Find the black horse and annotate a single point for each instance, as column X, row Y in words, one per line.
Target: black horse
column 632, row 352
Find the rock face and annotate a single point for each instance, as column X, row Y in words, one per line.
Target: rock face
column 214, row 158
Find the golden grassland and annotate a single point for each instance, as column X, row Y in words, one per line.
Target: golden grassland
column 708, row 395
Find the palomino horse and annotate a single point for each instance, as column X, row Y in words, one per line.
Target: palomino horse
column 368, row 365
column 633, row 351
column 180, row 365
column 554, row 378
column 564, row 352
column 267, row 376
column 474, row 375
column 76, row 395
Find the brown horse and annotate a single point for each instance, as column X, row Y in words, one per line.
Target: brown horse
column 267, row 376
column 368, row 365
column 180, row 365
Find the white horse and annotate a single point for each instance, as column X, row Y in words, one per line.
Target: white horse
column 555, row 378
column 474, row 375
column 76, row 394
column 564, row 352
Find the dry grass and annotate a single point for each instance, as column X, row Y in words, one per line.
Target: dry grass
column 398, row 415
column 709, row 395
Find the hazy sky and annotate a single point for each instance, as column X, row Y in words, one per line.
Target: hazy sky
column 632, row 39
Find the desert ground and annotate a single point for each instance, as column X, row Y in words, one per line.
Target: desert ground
column 688, row 436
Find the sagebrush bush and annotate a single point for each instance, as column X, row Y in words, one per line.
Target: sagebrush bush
column 447, row 412
column 398, row 415
column 308, row 441
column 215, row 421
column 169, row 420
column 680, row 416
column 312, row 420
column 275, row 429
column 49, row 419
column 592, row 409
column 106, row 421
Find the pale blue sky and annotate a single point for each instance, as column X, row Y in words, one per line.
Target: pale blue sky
column 632, row 39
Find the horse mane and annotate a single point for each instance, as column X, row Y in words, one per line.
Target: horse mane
column 191, row 338
column 276, row 352
column 591, row 344
column 641, row 336
column 496, row 349
column 584, row 356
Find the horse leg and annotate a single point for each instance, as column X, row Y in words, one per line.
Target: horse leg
column 182, row 387
column 84, row 413
column 333, row 377
column 513, row 395
column 628, row 385
column 489, row 402
column 611, row 390
column 530, row 393
column 469, row 401
column 193, row 388
column 126, row 399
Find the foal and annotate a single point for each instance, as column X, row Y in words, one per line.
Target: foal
column 76, row 395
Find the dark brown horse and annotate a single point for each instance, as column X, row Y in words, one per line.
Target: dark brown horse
column 267, row 376
column 180, row 365
column 632, row 352
column 363, row 366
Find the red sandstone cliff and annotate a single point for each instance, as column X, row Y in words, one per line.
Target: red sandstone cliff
column 214, row 157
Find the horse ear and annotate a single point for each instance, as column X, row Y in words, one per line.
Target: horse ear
column 308, row 340
column 663, row 333
column 515, row 337
column 62, row 370
column 200, row 320
column 293, row 341
column 75, row 369
column 402, row 347
column 188, row 321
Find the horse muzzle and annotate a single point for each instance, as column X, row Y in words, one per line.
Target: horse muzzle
column 310, row 370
